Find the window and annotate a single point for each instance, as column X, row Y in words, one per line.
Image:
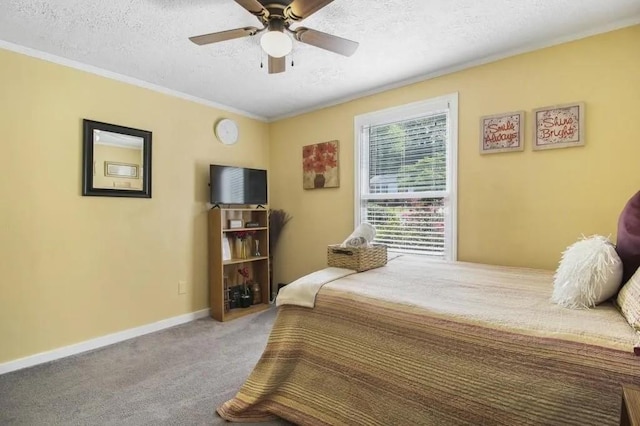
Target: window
column 406, row 164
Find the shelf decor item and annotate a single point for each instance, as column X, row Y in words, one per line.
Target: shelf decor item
column 241, row 248
column 226, row 249
column 245, row 293
column 234, row 297
column 227, row 295
column 242, row 251
column 257, row 294
column 245, row 298
column 235, row 223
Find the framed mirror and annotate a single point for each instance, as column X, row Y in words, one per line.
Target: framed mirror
column 116, row 161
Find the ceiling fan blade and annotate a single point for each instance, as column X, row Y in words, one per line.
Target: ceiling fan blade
column 253, row 6
column 276, row 65
column 223, row 35
column 326, row 41
column 300, row 9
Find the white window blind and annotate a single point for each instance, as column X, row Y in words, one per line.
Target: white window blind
column 405, row 175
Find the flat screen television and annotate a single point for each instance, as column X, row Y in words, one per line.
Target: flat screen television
column 237, row 185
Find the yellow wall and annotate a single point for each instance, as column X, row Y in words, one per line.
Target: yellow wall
column 72, row 267
column 513, row 208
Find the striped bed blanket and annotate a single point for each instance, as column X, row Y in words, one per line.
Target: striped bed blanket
column 440, row 343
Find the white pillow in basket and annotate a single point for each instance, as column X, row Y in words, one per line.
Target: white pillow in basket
column 589, row 273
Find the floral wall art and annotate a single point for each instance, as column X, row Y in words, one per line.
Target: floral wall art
column 320, row 165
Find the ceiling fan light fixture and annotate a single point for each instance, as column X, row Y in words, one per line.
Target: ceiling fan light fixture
column 276, row 44
column 276, row 40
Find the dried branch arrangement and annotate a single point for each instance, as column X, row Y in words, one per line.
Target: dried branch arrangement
column 278, row 218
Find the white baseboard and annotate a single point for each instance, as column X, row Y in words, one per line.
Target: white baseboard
column 99, row 342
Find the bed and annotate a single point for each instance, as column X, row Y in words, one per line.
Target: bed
column 440, row 343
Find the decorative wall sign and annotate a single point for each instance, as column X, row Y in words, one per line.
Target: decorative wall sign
column 502, row 132
column 558, row 126
column 320, row 165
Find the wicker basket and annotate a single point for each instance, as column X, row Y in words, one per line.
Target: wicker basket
column 357, row 258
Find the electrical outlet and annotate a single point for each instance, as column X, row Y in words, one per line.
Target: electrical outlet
column 182, row 287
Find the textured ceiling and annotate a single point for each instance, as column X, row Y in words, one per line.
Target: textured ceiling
column 400, row 40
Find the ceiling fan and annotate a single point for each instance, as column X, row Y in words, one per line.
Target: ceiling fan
column 276, row 16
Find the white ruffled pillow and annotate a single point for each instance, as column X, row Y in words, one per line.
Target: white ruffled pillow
column 589, row 273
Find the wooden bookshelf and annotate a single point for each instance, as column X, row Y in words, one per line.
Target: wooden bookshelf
column 224, row 269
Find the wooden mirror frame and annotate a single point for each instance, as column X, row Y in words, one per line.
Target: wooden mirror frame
column 88, row 160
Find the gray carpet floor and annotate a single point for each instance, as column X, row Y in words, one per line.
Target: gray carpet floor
column 176, row 376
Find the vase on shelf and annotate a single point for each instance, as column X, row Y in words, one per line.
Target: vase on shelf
column 257, row 294
column 256, row 252
column 242, row 251
column 318, row 181
column 245, row 296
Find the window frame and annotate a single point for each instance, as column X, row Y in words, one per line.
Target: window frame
column 410, row 111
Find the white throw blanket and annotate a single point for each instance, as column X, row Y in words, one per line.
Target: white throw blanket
column 302, row 292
